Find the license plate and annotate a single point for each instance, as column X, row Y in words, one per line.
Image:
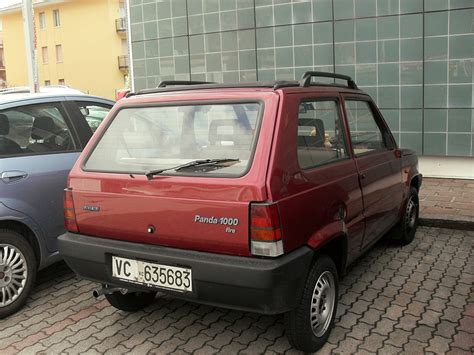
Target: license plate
column 152, row 274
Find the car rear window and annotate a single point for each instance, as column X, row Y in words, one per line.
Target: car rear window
column 144, row 139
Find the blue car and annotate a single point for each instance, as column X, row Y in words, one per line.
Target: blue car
column 41, row 136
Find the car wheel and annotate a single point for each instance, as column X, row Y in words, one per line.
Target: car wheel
column 406, row 228
column 17, row 271
column 130, row 301
column 308, row 325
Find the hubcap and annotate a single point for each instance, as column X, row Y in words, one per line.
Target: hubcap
column 410, row 218
column 13, row 274
column 322, row 303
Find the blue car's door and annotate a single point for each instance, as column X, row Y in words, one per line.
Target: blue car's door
column 38, row 147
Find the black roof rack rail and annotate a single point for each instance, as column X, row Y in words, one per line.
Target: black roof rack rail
column 187, row 85
column 166, row 83
column 305, row 80
column 284, row 84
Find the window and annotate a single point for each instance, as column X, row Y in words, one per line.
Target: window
column 59, row 53
column 34, row 129
column 42, row 20
column 320, row 134
column 366, row 135
column 148, row 138
column 44, row 53
column 61, row 82
column 1, row 25
column 93, row 113
column 56, row 18
column 47, row 83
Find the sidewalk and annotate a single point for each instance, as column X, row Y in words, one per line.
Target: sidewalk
column 447, row 203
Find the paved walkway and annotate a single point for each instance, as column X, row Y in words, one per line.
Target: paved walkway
column 416, row 299
column 447, row 200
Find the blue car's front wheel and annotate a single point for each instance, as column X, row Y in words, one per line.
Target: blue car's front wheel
column 17, row 271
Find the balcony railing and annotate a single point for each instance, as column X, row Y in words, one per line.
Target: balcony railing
column 121, row 25
column 123, row 62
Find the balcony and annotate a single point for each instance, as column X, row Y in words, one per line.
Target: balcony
column 121, row 25
column 123, row 63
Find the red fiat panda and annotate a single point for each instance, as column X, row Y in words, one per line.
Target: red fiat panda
column 254, row 197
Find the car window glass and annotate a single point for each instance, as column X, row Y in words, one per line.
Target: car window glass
column 34, row 129
column 366, row 135
column 93, row 113
column 154, row 138
column 320, row 135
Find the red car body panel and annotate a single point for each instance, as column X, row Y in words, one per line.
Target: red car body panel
column 129, row 205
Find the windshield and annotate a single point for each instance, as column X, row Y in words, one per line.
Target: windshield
column 145, row 139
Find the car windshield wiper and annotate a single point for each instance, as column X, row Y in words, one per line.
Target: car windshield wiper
column 191, row 164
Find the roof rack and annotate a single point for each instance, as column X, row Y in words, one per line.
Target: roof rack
column 166, row 83
column 305, row 80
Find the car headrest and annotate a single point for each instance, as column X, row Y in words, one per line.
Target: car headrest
column 316, row 137
column 42, row 127
column 216, row 134
column 228, row 130
column 4, row 125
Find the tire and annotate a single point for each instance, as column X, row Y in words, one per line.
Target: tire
column 320, row 295
column 18, row 268
column 405, row 230
column 131, row 301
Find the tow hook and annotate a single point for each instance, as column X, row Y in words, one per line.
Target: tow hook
column 108, row 290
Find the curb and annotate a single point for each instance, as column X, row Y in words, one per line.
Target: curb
column 446, row 223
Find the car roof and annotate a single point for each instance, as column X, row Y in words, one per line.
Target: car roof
column 246, row 89
column 13, row 99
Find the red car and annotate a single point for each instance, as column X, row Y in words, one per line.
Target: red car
column 254, row 197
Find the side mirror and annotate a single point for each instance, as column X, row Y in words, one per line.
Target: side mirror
column 84, row 110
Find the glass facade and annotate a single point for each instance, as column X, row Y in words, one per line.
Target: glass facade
column 414, row 57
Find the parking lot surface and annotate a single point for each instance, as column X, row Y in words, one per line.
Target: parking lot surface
column 413, row 299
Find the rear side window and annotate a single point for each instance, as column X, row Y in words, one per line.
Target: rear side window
column 366, row 135
column 34, row 129
column 320, row 134
column 139, row 140
column 93, row 113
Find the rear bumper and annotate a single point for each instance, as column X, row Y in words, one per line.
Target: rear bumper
column 269, row 286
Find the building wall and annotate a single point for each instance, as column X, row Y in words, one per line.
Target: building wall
column 90, row 46
column 414, row 57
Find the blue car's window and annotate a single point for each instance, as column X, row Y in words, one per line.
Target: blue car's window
column 93, row 113
column 34, row 129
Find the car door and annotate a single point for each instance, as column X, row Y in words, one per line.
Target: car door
column 33, row 177
column 379, row 165
column 326, row 187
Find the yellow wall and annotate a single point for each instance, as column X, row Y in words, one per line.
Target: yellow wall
column 90, row 46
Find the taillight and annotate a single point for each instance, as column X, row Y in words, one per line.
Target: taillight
column 265, row 230
column 69, row 213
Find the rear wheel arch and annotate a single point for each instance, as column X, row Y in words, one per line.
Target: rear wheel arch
column 416, row 182
column 27, row 233
column 336, row 249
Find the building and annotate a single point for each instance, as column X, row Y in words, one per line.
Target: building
column 414, row 57
column 80, row 43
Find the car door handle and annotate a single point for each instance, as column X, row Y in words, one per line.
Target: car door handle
column 362, row 176
column 12, row 176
